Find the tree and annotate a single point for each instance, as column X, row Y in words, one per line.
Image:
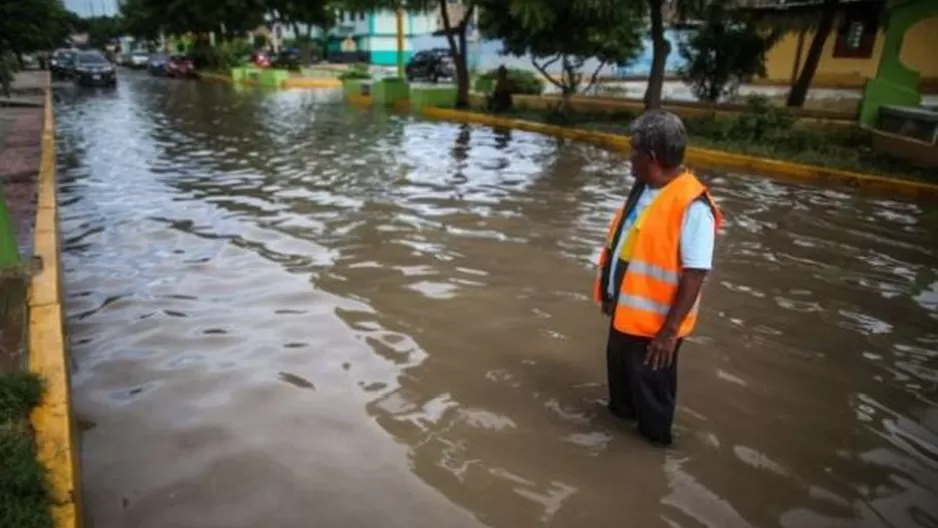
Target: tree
column 799, row 91
column 568, row 32
column 101, row 30
column 33, row 25
column 308, row 13
column 723, row 53
column 151, row 17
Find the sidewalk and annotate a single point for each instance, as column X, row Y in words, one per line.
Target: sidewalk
column 20, row 150
column 20, row 153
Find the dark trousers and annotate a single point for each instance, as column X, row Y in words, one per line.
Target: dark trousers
column 636, row 392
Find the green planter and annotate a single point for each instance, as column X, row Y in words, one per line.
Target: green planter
column 273, row 78
column 386, row 92
column 444, row 96
column 356, row 87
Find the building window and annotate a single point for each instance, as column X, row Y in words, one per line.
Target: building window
column 856, row 36
column 361, row 15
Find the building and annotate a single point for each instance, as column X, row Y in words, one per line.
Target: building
column 852, row 52
column 371, row 37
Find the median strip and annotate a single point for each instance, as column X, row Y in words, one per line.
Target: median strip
column 703, row 156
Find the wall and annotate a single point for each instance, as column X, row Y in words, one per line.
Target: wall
column 917, row 51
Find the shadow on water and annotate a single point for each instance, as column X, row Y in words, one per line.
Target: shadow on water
column 284, row 310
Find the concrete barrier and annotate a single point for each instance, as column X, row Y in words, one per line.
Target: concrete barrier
column 706, row 157
column 52, row 420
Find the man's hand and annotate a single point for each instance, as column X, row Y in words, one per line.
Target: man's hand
column 607, row 308
column 661, row 350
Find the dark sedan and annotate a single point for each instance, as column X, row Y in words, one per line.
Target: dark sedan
column 93, row 69
column 61, row 63
column 432, row 65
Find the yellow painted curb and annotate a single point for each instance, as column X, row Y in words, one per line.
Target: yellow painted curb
column 306, row 82
column 714, row 158
column 52, row 419
column 208, row 76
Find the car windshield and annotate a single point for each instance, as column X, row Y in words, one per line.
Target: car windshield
column 91, row 59
column 157, row 56
column 140, row 54
column 180, row 58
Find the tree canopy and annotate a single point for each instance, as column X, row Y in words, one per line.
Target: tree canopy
column 33, row 25
column 565, row 33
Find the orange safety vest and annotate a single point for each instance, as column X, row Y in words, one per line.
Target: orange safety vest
column 652, row 261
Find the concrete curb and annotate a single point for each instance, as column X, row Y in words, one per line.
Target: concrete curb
column 291, row 83
column 311, row 83
column 52, row 419
column 713, row 158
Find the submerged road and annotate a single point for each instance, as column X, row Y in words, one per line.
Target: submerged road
column 285, row 312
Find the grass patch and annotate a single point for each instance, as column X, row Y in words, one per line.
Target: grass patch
column 24, row 498
column 764, row 131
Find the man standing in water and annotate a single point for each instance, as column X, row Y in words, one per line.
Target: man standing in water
column 658, row 252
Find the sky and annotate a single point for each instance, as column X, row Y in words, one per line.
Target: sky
column 87, row 8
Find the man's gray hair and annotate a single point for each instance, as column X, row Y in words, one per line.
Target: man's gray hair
column 661, row 133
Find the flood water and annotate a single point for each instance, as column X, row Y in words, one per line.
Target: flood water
column 286, row 312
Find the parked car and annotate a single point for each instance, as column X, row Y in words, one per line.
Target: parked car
column 180, row 66
column 61, row 63
column 156, row 63
column 138, row 59
column 93, row 69
column 431, row 65
column 288, row 59
column 260, row 59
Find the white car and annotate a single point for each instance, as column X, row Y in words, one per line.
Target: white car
column 139, row 59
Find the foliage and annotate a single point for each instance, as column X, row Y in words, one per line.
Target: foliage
column 33, row 25
column 221, row 57
column 722, row 54
column 356, row 71
column 522, row 81
column 147, row 18
column 573, row 32
column 760, row 121
column 24, row 500
column 101, row 30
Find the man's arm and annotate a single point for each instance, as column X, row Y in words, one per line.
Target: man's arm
column 697, row 240
column 688, row 290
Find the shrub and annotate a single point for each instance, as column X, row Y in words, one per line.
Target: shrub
column 356, row 71
column 223, row 56
column 522, row 81
column 760, row 121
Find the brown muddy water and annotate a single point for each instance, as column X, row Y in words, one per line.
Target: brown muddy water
column 285, row 312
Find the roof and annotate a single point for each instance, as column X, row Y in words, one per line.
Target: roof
column 787, row 5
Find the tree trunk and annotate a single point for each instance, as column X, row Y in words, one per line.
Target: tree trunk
column 462, row 71
column 799, row 91
column 660, row 50
column 459, row 51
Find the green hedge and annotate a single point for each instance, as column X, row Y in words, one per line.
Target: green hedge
column 523, row 81
column 356, row 71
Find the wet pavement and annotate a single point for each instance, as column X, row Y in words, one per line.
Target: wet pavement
column 285, row 312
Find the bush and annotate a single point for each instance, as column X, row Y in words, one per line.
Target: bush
column 223, row 56
column 760, row 121
column 356, row 71
column 523, row 82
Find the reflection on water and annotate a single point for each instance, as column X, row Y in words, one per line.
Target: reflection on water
column 285, row 312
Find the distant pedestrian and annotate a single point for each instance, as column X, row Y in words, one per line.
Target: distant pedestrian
column 658, row 252
column 500, row 100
